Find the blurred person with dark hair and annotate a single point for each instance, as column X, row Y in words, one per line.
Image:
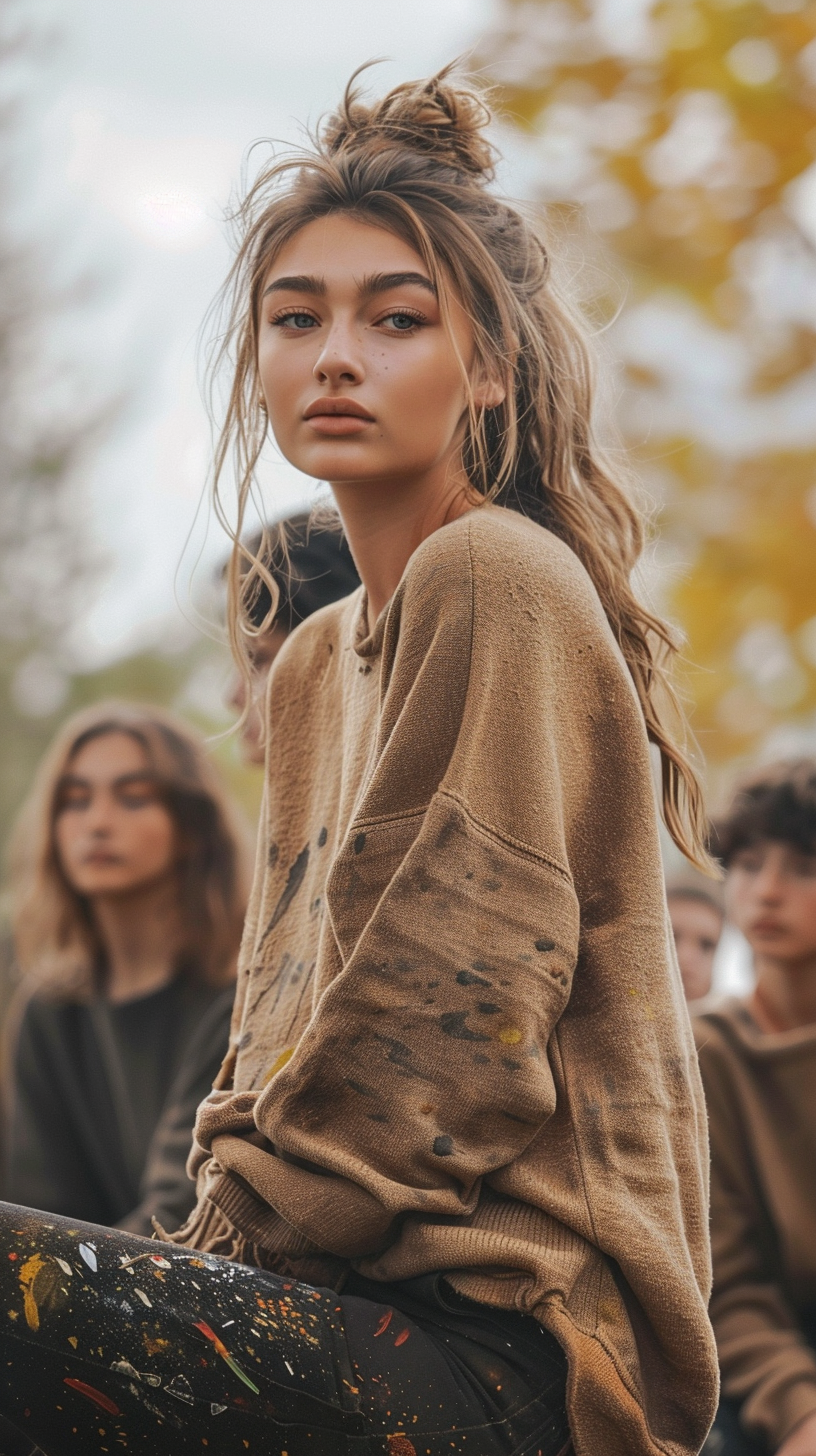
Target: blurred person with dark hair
column 129, row 898
column 311, row 565
column 697, row 918
column 758, row 1060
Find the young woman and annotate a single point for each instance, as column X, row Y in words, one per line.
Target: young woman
column 129, row 900
column 461, row 1090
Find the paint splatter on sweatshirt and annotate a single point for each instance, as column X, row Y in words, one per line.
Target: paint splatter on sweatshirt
column 459, row 1040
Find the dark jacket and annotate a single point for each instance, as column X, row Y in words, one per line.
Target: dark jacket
column 102, row 1100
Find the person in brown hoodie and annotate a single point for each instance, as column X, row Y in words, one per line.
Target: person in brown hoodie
column 452, row 1182
column 758, row 1061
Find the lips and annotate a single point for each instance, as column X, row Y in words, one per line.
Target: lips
column 337, row 408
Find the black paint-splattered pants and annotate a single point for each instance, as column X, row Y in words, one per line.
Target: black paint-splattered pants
column 112, row 1343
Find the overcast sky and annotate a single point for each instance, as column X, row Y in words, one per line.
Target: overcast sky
column 147, row 108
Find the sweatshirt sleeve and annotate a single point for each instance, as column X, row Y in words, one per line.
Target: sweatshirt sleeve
column 765, row 1360
column 425, row 1067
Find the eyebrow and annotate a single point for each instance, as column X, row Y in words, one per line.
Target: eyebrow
column 375, row 283
column 139, row 776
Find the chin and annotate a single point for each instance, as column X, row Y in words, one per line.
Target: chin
column 346, row 463
column 104, row 886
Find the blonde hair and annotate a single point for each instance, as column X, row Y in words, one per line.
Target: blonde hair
column 417, row 163
column 54, row 933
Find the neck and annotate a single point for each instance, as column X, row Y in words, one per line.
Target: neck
column 785, row 994
column 139, row 935
column 386, row 520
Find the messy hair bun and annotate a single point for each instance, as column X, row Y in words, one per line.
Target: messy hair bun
column 434, row 118
column 416, row 163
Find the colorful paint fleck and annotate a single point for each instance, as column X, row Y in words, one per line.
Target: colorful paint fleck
column 27, row 1276
column 91, row 1394
column 222, row 1350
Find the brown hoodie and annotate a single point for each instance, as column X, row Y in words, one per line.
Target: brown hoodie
column 761, row 1093
column 460, row 1041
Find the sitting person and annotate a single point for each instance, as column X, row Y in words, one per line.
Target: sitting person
column 697, row 919
column 758, row 1060
column 452, row 1182
column 129, row 901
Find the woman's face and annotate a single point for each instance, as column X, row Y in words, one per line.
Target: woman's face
column 360, row 377
column 113, row 834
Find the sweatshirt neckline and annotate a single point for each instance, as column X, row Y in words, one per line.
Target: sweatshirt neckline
column 737, row 1016
column 368, row 644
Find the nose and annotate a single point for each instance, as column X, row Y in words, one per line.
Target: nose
column 98, row 820
column 339, row 361
column 769, row 884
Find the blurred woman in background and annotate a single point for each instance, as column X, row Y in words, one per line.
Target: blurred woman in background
column 129, row 887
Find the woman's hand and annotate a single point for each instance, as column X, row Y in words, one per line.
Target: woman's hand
column 802, row 1439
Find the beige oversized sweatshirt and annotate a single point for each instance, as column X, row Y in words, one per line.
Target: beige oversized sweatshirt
column 460, row 1041
column 761, row 1093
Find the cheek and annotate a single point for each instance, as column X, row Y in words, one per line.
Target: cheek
column 282, row 380
column 737, row 894
column 427, row 393
column 806, row 909
column 67, row 835
column 152, row 839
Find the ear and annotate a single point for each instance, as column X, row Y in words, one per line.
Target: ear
column 488, row 390
column 489, row 394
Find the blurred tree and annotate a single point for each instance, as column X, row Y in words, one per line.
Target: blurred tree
column 54, row 413
column 48, row 433
column 682, row 134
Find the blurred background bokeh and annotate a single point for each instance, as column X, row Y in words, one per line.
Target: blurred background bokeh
column 673, row 147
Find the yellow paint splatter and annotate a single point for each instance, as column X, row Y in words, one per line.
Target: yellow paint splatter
column 510, row 1035
column 278, row 1064
column 28, row 1274
column 154, row 1347
column 72, row 1340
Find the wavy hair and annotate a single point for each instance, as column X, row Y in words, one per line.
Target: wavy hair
column 417, row 162
column 55, row 938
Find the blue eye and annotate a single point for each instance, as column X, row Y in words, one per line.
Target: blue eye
column 402, row 322
column 300, row 321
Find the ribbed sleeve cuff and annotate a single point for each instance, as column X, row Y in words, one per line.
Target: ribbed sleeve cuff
column 792, row 1406
column 334, row 1213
